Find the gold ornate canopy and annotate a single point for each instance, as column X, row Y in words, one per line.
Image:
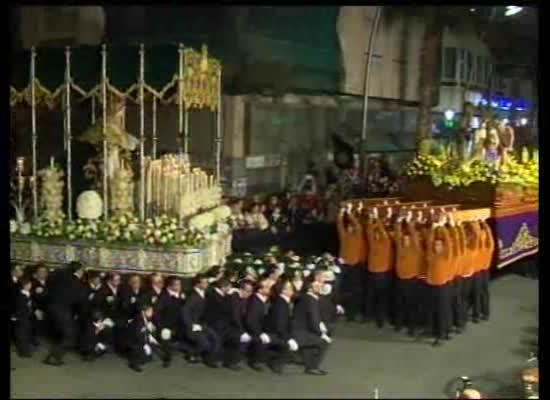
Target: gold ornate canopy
column 199, row 85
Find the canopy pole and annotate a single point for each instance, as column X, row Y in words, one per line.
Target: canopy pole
column 181, row 131
column 104, row 131
column 142, row 132
column 155, row 139
column 68, row 82
column 219, row 133
column 93, row 109
column 368, row 65
column 33, row 134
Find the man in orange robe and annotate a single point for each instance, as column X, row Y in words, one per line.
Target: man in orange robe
column 380, row 263
column 408, row 258
column 439, row 253
column 353, row 253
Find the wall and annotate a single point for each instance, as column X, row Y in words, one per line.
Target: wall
column 396, row 52
column 61, row 25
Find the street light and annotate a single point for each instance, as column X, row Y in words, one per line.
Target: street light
column 449, row 115
column 512, row 10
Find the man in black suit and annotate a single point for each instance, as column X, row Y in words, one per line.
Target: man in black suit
column 107, row 300
column 24, row 319
column 167, row 318
column 216, row 311
column 131, row 296
column 236, row 339
column 256, row 313
column 140, row 338
column 204, row 340
column 308, row 329
column 94, row 336
column 278, row 325
column 153, row 292
column 65, row 298
column 16, row 275
column 39, row 297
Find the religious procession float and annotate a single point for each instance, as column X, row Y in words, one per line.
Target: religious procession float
column 485, row 174
column 165, row 215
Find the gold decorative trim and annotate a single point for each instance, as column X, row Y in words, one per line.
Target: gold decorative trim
column 523, row 241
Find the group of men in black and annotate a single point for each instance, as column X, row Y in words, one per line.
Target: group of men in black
column 220, row 321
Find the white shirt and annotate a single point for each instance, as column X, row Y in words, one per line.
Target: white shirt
column 313, row 295
column 173, row 294
column 261, row 297
column 219, row 292
column 285, row 298
column 113, row 289
column 200, row 292
column 25, row 293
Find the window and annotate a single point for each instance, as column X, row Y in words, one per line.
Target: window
column 449, row 63
column 462, row 64
column 469, row 66
column 480, row 76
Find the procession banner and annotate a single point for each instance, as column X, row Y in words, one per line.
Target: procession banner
column 516, row 234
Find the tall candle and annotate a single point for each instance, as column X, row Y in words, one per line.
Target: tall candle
column 51, row 162
column 20, row 165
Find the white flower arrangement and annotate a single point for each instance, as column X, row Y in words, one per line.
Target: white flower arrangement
column 222, row 213
column 13, row 226
column 122, row 227
column 160, row 230
column 89, row 205
column 48, row 228
column 87, row 229
column 202, row 221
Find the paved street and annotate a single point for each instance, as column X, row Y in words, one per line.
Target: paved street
column 361, row 359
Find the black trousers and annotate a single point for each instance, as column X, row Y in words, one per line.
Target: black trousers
column 407, row 305
column 378, row 296
column 353, row 290
column 485, row 299
column 233, row 350
column 439, row 305
column 278, row 353
column 24, row 336
column 313, row 356
column 465, row 288
column 475, row 295
column 206, row 343
column 65, row 326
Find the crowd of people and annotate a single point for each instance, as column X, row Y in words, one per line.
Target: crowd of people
column 226, row 316
column 418, row 269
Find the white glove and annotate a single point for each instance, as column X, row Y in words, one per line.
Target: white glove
column 245, row 338
column 151, row 327
column 39, row 314
column 165, row 334
column 340, row 310
column 132, row 300
column 323, row 328
column 110, row 299
column 265, row 338
column 153, row 340
column 100, row 347
column 147, row 349
column 292, row 345
column 196, row 328
column 326, row 338
column 108, row 322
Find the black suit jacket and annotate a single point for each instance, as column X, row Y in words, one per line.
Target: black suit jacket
column 39, row 295
column 256, row 313
column 278, row 319
column 66, row 292
column 216, row 312
column 236, row 314
column 130, row 302
column 193, row 311
column 108, row 302
column 24, row 310
column 169, row 312
column 306, row 320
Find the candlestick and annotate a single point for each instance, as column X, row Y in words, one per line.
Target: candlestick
column 20, row 165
